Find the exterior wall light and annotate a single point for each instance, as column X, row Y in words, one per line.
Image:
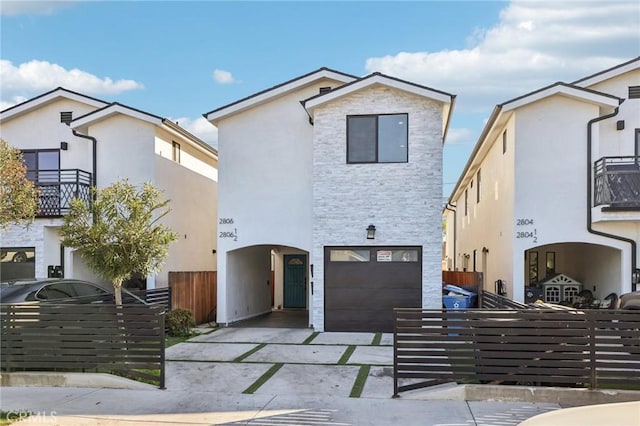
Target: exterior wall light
column 371, row 232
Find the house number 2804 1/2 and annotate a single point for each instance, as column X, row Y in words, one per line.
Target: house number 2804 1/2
column 229, row 234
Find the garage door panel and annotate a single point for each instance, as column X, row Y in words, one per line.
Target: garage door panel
column 381, row 298
column 361, row 320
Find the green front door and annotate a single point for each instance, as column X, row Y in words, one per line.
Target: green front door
column 295, row 281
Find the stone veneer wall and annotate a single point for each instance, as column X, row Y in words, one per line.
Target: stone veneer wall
column 31, row 236
column 403, row 200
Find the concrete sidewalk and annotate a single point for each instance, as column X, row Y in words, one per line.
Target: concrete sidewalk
column 269, row 376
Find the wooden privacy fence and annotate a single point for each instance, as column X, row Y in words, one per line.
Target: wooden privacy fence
column 462, row 278
column 125, row 340
column 590, row 348
column 195, row 291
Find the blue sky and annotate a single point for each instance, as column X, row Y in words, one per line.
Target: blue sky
column 182, row 59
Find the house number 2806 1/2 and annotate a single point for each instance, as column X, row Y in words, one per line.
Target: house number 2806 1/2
column 229, row 234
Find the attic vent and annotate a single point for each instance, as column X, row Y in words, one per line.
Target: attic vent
column 325, row 90
column 66, row 117
column 634, row 92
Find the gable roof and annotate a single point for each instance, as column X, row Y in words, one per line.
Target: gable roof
column 276, row 91
column 503, row 111
column 49, row 97
column 609, row 73
column 118, row 108
column 377, row 79
column 381, row 79
column 113, row 109
column 563, row 89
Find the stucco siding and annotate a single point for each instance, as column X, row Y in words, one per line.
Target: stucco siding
column 190, row 157
column 403, row 200
column 193, row 217
column 21, row 133
column 488, row 223
column 125, row 148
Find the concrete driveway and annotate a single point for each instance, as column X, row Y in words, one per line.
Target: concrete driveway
column 267, row 376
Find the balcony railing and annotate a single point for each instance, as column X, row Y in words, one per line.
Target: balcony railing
column 57, row 188
column 617, row 182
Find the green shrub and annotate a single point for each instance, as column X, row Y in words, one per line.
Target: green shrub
column 179, row 322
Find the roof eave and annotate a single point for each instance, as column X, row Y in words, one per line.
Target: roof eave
column 48, row 97
column 372, row 80
column 282, row 89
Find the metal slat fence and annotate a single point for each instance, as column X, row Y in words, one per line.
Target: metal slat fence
column 590, row 348
column 125, row 340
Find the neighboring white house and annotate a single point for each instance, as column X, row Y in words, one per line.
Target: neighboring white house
column 306, row 168
column 553, row 187
column 71, row 142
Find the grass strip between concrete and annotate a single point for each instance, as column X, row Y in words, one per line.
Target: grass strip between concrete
column 377, row 339
column 346, row 355
column 263, row 379
column 249, row 353
column 361, row 379
column 310, row 338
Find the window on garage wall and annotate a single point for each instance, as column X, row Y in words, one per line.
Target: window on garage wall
column 339, row 255
column 377, row 138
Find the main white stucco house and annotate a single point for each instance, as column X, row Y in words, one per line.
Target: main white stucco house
column 306, row 168
column 71, row 142
column 551, row 192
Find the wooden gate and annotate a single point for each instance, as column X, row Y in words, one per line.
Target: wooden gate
column 195, row 291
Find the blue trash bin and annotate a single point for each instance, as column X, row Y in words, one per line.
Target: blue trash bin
column 458, row 298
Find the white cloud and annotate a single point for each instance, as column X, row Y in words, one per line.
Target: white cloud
column 201, row 128
column 460, row 136
column 30, row 7
column 223, row 77
column 38, row 76
column 533, row 45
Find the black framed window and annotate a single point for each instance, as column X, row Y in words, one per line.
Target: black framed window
column 533, row 267
column 42, row 165
column 504, row 141
column 551, row 263
column 478, row 180
column 176, row 152
column 377, row 138
column 466, row 202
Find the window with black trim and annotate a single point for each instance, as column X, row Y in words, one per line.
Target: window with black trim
column 377, row 138
column 504, row 141
column 533, row 267
column 478, row 187
column 42, row 165
column 176, row 152
column 466, row 202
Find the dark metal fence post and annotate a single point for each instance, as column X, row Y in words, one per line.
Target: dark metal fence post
column 162, row 349
column 591, row 326
column 395, row 354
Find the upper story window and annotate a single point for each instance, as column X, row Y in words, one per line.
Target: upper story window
column 466, row 202
column 42, row 165
column 377, row 138
column 176, row 152
column 478, row 180
column 504, row 141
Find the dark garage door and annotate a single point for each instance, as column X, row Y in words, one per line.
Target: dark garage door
column 362, row 285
